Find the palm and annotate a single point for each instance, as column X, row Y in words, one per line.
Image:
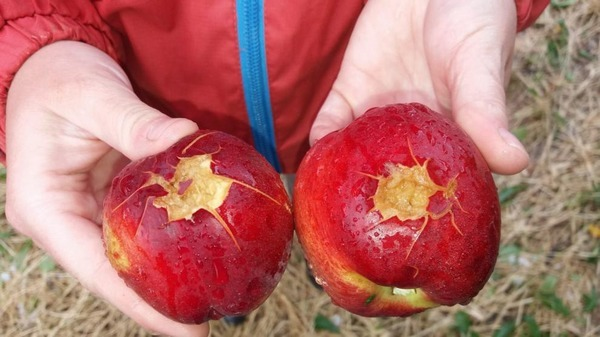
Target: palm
column 63, row 183
column 384, row 65
column 452, row 56
column 75, row 186
column 414, row 58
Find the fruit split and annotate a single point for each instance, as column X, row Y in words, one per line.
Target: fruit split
column 200, row 231
column 396, row 213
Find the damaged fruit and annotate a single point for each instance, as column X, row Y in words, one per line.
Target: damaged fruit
column 397, row 213
column 201, row 230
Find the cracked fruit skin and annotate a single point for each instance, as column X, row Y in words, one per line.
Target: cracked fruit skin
column 201, row 230
column 397, row 213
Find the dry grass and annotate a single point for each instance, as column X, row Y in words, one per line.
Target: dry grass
column 549, row 261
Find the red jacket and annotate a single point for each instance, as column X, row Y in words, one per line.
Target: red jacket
column 197, row 59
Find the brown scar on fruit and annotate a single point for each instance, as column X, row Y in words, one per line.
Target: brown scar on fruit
column 405, row 193
column 195, row 186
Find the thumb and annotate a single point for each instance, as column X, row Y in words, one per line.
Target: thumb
column 335, row 113
column 113, row 113
column 479, row 107
column 137, row 130
column 484, row 122
column 470, row 60
column 94, row 93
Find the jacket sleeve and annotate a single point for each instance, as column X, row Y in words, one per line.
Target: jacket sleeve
column 528, row 11
column 26, row 26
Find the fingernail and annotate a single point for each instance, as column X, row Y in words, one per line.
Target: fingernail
column 511, row 140
column 157, row 128
column 170, row 129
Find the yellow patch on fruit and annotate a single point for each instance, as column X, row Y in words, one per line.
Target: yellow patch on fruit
column 416, row 297
column 204, row 190
column 413, row 298
column 115, row 252
column 405, row 192
column 194, row 187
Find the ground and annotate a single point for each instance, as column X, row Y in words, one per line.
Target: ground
column 546, row 282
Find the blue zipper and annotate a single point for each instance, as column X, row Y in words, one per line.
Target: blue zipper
column 255, row 78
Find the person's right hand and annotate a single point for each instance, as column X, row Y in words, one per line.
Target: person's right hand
column 72, row 122
column 453, row 57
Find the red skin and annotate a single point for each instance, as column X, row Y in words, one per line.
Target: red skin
column 209, row 263
column 358, row 254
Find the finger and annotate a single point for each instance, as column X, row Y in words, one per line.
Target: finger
column 485, row 123
column 140, row 131
column 123, row 121
column 479, row 107
column 92, row 268
column 472, row 71
column 335, row 114
column 94, row 93
column 119, row 118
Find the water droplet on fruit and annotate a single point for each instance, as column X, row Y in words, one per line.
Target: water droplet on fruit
column 233, row 307
column 182, row 250
column 218, row 294
column 320, row 281
column 221, row 275
column 320, row 170
column 141, row 274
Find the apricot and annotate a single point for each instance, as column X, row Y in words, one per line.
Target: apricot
column 201, row 230
column 397, row 213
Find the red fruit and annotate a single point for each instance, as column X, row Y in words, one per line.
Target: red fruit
column 397, row 213
column 201, row 230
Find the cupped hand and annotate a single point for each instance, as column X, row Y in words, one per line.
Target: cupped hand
column 452, row 56
column 72, row 122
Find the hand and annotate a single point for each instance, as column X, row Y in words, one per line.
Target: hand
column 72, row 123
column 452, row 56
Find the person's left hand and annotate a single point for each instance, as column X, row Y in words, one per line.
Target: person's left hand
column 451, row 56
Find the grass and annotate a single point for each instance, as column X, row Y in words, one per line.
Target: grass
column 546, row 279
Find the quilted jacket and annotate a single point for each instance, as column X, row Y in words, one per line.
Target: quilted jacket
column 259, row 69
